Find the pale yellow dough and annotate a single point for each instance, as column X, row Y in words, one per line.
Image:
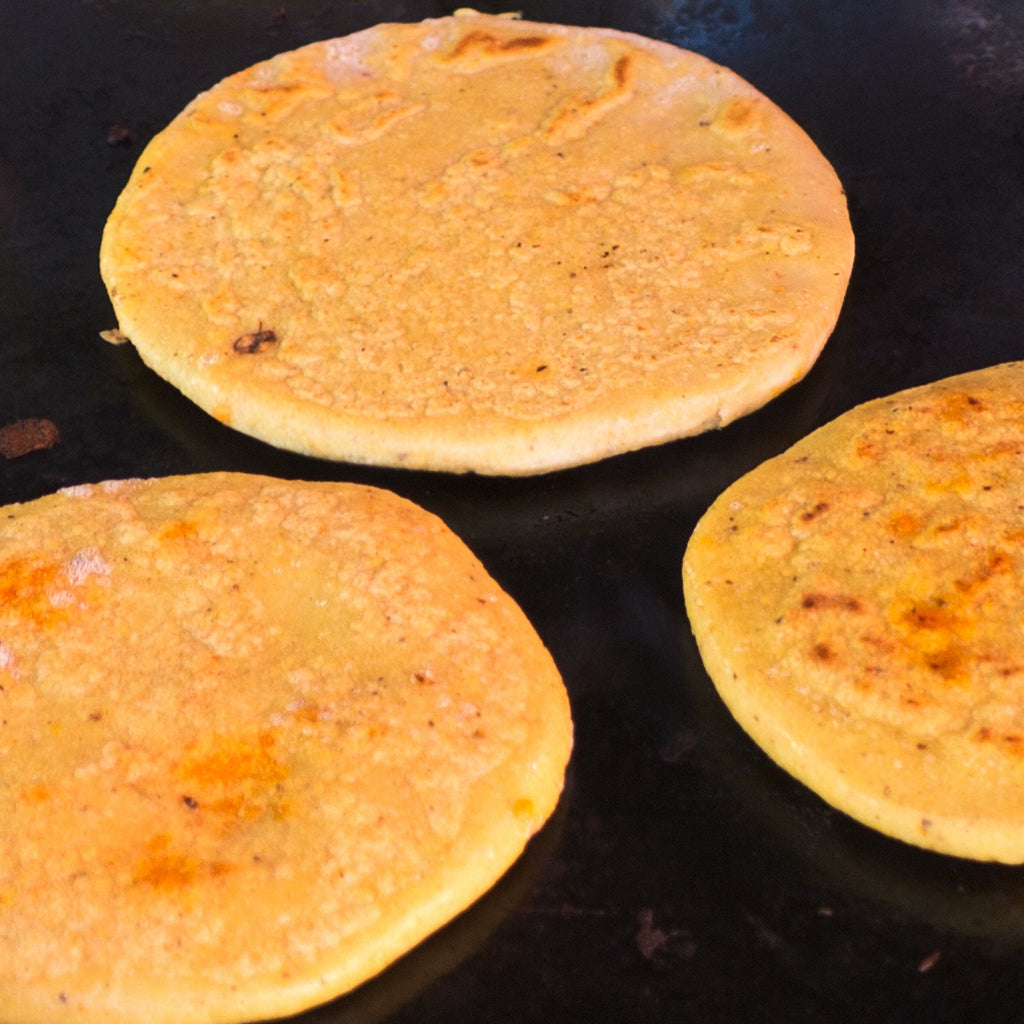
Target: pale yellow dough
column 479, row 244
column 257, row 739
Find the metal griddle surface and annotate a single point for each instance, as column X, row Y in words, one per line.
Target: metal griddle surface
column 685, row 877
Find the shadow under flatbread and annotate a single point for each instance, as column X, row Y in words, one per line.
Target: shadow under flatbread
column 461, row 939
column 832, row 852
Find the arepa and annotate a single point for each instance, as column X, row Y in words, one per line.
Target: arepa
column 257, row 739
column 858, row 603
column 479, row 244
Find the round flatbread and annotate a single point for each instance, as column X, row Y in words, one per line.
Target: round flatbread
column 479, row 244
column 858, row 604
column 257, row 739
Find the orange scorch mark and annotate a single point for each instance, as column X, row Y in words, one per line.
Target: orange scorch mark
column 226, row 783
column 942, row 630
column 738, row 115
column 228, row 760
column 164, row 867
column 1011, row 743
column 904, row 525
column 933, row 632
column 997, row 563
column 238, row 779
column 869, row 449
column 523, row 808
column 27, row 587
column 178, row 529
column 957, row 406
column 36, row 794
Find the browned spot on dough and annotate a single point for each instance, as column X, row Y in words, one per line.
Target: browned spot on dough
column 866, row 448
column 738, row 115
column 932, row 615
column 998, row 563
column 484, row 42
column 523, row 807
column 275, row 100
column 957, row 406
column 938, row 627
column 878, row 643
column 310, row 712
column 812, row 513
column 26, row 587
column 947, row 663
column 25, row 581
column 831, row 602
column 36, row 794
column 822, row 652
column 903, row 525
column 165, row 868
column 230, row 761
column 1010, row 742
column 240, row 780
column 179, row 529
column 623, row 71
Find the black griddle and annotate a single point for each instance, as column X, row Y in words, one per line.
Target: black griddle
column 684, row 878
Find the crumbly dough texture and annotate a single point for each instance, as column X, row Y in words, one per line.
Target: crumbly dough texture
column 479, row 244
column 858, row 603
column 257, row 739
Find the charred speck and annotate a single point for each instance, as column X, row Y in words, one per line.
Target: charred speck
column 841, row 602
column 257, row 341
column 118, row 135
column 811, row 514
column 190, row 802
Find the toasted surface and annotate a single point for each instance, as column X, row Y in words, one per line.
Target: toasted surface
column 479, row 244
column 858, row 603
column 257, row 739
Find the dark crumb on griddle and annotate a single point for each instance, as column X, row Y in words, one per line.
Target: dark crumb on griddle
column 118, row 135
column 27, row 435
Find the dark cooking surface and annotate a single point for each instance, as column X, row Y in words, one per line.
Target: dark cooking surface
column 685, row 878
